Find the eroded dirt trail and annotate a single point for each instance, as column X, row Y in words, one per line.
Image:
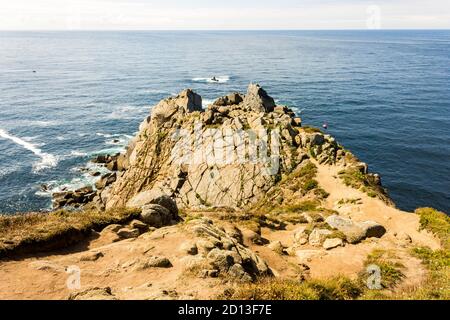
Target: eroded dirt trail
column 45, row 277
column 368, row 208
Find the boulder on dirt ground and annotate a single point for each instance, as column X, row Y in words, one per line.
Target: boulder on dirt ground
column 137, row 224
column 189, row 247
column 277, row 247
column 300, row 235
column 112, row 228
column 127, row 233
column 152, row 262
column 91, row 256
column 159, row 262
column 332, row 243
column 318, row 236
column 372, row 229
column 237, row 272
column 355, row 232
column 213, row 273
column 156, row 215
column 155, row 196
column 221, row 259
column 250, row 236
column 204, row 246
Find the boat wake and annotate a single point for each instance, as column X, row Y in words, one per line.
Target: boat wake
column 220, row 79
column 47, row 160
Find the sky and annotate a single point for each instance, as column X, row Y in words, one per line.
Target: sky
column 223, row 15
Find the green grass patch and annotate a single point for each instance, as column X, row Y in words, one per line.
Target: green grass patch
column 192, row 216
column 310, row 184
column 354, row 178
column 321, row 193
column 436, row 222
column 349, row 201
column 41, row 231
column 303, row 206
column 309, row 129
column 391, row 270
column 338, row 288
column 371, row 194
column 293, row 218
column 437, row 284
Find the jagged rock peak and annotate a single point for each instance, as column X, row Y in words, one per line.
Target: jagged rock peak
column 233, row 154
column 187, row 101
column 257, row 99
column 234, row 98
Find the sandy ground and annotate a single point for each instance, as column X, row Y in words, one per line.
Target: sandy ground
column 46, row 276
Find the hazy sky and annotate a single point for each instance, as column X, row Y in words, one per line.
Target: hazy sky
column 226, row 14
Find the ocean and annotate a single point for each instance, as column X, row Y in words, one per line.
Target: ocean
column 67, row 96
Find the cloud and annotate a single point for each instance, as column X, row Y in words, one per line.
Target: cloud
column 233, row 14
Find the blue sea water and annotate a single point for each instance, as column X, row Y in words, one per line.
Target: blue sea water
column 384, row 94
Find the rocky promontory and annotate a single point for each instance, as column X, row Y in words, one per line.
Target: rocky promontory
column 236, row 200
column 232, row 154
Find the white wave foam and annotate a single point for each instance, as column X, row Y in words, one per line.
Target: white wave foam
column 207, row 102
column 220, row 79
column 4, row 171
column 43, row 123
column 110, row 135
column 77, row 153
column 66, row 185
column 106, row 135
column 47, row 160
column 84, row 178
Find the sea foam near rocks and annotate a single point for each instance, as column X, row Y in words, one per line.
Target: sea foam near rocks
column 47, row 160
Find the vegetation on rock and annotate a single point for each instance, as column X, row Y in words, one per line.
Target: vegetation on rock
column 48, row 231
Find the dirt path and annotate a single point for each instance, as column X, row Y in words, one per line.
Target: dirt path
column 367, row 208
column 45, row 277
column 349, row 260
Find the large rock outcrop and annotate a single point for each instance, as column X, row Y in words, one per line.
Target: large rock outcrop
column 229, row 155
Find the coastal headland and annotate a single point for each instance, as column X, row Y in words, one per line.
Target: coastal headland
column 240, row 200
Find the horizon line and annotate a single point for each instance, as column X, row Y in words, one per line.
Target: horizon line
column 190, row 30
